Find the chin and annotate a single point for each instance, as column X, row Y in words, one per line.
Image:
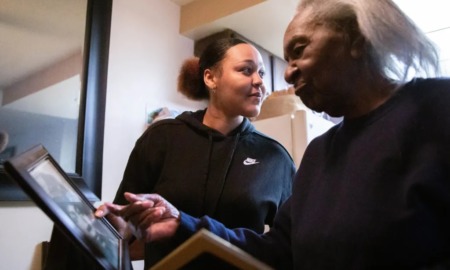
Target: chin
column 308, row 103
column 252, row 113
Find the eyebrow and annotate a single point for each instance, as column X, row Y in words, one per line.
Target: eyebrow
column 295, row 39
column 257, row 64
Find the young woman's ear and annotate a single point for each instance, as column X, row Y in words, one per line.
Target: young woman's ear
column 209, row 78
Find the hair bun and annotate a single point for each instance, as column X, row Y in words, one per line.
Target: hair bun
column 189, row 80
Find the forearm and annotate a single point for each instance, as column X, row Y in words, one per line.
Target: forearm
column 273, row 248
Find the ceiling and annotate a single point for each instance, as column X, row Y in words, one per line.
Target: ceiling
column 39, row 23
column 43, row 46
column 265, row 23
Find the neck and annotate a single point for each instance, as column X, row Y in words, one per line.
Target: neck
column 372, row 95
column 219, row 121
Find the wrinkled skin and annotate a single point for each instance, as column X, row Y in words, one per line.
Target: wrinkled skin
column 148, row 216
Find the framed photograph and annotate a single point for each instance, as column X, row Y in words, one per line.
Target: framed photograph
column 7, row 153
column 44, row 181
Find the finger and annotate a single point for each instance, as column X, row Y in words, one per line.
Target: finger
column 136, row 223
column 153, row 216
column 134, row 209
column 106, row 209
column 150, row 214
column 101, row 211
column 131, row 197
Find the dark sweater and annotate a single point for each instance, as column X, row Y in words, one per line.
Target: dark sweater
column 371, row 193
column 240, row 179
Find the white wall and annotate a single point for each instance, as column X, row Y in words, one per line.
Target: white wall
column 432, row 17
column 146, row 52
column 145, row 55
column 23, row 227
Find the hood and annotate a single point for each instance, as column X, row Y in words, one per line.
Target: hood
column 195, row 119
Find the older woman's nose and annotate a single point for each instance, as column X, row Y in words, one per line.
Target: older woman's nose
column 290, row 73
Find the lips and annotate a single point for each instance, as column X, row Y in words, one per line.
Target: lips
column 257, row 94
column 255, row 98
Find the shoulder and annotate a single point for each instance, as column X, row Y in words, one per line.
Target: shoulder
column 263, row 141
column 439, row 82
column 432, row 97
column 162, row 128
column 165, row 123
column 180, row 120
column 432, row 88
column 263, row 137
column 429, row 95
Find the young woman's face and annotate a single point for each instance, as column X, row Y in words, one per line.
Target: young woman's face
column 238, row 84
column 321, row 65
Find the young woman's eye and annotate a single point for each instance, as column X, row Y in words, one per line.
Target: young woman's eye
column 261, row 73
column 247, row 70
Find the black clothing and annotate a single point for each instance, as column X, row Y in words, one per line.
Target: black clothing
column 371, row 193
column 240, row 179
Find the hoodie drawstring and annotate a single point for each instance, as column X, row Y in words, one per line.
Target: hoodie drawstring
column 210, row 211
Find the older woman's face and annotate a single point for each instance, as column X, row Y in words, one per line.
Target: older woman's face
column 320, row 65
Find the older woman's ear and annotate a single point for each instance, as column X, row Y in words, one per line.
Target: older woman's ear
column 358, row 47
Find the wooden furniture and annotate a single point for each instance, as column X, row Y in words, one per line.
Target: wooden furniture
column 205, row 243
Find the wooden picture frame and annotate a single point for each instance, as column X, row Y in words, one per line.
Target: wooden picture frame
column 206, row 243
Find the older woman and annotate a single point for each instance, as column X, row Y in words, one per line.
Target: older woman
column 374, row 191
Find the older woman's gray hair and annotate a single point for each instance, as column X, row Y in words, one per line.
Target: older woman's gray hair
column 395, row 46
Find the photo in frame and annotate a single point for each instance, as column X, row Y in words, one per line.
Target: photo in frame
column 44, row 181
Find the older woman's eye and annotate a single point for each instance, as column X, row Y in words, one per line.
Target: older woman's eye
column 297, row 51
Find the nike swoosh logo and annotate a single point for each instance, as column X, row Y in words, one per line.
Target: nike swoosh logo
column 250, row 161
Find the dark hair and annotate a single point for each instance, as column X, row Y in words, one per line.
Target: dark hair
column 190, row 79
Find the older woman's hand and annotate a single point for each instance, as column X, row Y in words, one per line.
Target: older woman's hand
column 149, row 216
column 112, row 213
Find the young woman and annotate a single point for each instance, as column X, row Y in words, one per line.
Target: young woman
column 213, row 162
